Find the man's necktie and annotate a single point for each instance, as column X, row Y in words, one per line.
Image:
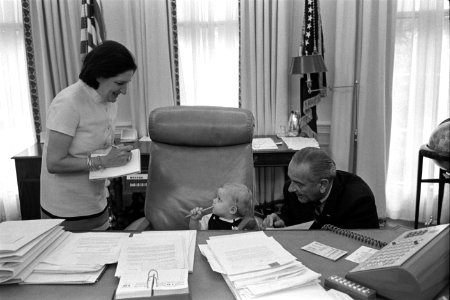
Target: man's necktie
column 317, row 213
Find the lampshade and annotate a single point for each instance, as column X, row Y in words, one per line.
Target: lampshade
column 306, row 64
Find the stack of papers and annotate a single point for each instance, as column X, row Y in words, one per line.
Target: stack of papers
column 263, row 144
column 257, row 266
column 297, row 143
column 80, row 259
column 156, row 263
column 22, row 243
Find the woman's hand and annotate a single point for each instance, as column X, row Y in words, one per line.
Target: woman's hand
column 118, row 156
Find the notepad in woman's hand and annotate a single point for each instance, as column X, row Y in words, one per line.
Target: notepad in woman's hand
column 133, row 166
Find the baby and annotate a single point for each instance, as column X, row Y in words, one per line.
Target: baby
column 232, row 204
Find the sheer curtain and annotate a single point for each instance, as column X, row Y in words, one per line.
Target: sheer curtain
column 420, row 103
column 145, row 28
column 366, row 28
column 208, row 36
column 56, row 39
column 266, row 49
column 16, row 120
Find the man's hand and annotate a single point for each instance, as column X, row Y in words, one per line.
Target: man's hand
column 273, row 220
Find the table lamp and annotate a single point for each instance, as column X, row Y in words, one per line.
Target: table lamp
column 307, row 64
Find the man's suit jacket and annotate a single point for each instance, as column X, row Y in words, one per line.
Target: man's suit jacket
column 350, row 205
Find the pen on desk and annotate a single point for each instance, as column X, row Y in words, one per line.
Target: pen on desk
column 203, row 209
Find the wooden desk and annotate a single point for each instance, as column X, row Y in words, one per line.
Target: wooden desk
column 203, row 282
column 28, row 171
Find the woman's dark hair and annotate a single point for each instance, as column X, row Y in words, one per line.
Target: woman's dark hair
column 106, row 60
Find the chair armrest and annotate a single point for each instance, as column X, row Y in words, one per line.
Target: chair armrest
column 140, row 224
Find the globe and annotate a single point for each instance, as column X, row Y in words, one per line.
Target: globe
column 440, row 142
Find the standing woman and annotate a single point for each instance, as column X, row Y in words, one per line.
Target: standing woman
column 81, row 120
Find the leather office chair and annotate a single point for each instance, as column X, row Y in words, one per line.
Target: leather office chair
column 195, row 150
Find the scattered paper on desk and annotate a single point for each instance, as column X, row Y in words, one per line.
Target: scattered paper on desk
column 338, row 295
column 361, row 254
column 24, row 231
column 90, row 249
column 263, row 144
column 241, row 253
column 324, row 250
column 188, row 236
column 297, row 143
column 143, row 252
column 64, row 278
column 301, row 226
column 18, row 272
column 289, row 280
column 296, row 274
column 213, row 263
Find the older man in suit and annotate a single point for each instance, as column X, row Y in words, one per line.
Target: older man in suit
column 317, row 191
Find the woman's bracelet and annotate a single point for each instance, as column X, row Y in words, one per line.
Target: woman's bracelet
column 98, row 162
column 94, row 163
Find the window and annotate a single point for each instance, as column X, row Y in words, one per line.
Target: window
column 419, row 101
column 16, row 120
column 208, row 37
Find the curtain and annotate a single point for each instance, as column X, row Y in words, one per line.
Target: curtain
column 56, row 47
column 146, row 31
column 372, row 66
column 208, row 33
column 344, row 64
column 421, row 102
column 266, row 41
column 16, row 132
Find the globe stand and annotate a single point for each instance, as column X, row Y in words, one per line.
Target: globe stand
column 444, row 177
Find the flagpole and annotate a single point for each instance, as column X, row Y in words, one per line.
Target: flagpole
column 353, row 159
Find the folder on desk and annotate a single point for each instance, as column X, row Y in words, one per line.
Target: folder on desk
column 153, row 283
column 156, row 264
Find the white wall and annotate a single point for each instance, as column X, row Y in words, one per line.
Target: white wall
column 115, row 24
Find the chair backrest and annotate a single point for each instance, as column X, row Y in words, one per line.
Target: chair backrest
column 194, row 151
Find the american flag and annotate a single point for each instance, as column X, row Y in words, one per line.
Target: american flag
column 312, row 43
column 92, row 26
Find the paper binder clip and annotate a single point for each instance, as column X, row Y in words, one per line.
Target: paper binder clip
column 152, row 276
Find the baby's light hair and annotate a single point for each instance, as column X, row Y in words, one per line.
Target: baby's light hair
column 241, row 196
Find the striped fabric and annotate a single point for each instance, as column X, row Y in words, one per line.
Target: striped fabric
column 92, row 26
